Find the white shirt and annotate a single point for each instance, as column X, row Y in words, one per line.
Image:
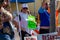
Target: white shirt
column 23, row 22
column 24, row 18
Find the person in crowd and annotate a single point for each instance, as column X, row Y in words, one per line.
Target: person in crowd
column 57, row 13
column 57, row 25
column 22, row 17
column 44, row 18
column 5, row 17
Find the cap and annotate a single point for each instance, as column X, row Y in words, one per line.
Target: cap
column 24, row 5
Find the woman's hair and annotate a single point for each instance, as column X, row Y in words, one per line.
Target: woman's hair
column 21, row 10
column 1, row 1
column 59, row 10
column 46, row 6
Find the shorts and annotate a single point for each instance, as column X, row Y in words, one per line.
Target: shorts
column 44, row 31
column 24, row 34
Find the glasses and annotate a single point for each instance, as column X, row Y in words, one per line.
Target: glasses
column 25, row 8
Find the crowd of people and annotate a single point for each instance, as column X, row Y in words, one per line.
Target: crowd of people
column 6, row 31
column 8, row 21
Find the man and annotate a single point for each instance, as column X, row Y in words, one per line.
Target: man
column 44, row 18
column 5, row 16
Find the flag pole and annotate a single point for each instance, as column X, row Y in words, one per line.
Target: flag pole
column 52, row 16
column 18, row 19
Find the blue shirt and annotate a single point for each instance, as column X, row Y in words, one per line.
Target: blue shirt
column 5, row 24
column 44, row 17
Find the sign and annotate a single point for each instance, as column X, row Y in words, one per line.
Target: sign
column 30, row 38
column 31, row 22
column 50, row 36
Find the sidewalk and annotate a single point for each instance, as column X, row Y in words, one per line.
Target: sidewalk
column 16, row 35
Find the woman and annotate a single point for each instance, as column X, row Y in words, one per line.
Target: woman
column 44, row 18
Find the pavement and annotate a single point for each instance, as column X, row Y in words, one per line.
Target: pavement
column 16, row 37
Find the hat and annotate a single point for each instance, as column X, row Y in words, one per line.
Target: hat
column 25, row 5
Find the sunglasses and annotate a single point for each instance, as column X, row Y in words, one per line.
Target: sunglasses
column 25, row 8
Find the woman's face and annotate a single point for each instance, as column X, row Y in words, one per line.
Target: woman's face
column 24, row 10
column 45, row 5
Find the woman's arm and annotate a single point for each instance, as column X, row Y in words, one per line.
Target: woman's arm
column 7, row 13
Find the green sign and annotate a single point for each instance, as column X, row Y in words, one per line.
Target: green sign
column 31, row 22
